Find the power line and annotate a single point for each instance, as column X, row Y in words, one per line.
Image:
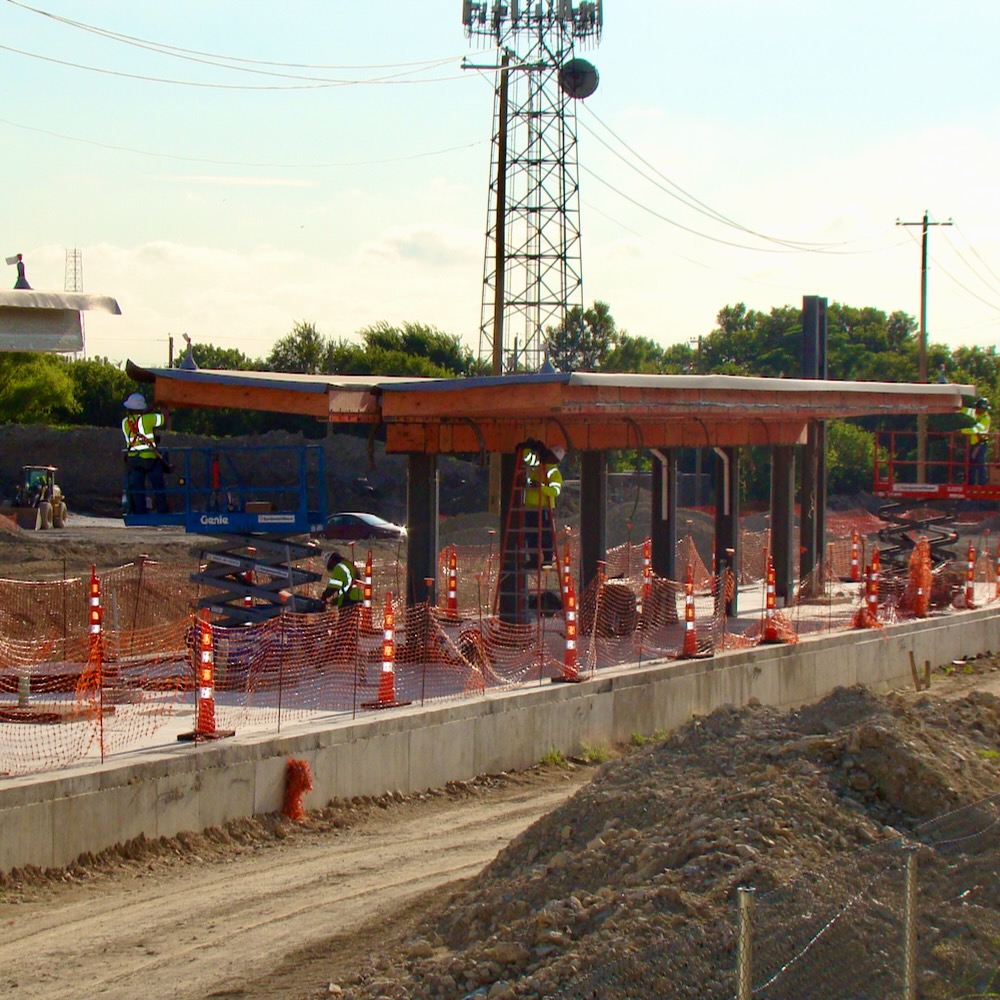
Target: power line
column 238, row 163
column 317, row 84
column 691, row 201
column 717, row 239
column 961, row 257
column 167, row 49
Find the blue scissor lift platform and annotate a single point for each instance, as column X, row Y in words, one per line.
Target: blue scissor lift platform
column 257, row 502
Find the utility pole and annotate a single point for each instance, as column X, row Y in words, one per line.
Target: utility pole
column 925, row 223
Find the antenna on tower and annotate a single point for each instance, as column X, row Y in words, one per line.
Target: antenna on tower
column 532, row 272
column 74, row 283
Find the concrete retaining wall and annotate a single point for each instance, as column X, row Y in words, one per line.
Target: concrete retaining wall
column 50, row 821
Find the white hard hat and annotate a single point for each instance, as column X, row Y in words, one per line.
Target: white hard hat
column 559, row 451
column 137, row 401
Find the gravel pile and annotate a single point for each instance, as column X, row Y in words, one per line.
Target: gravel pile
column 629, row 888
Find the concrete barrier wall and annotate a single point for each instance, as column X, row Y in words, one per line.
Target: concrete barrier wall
column 50, row 821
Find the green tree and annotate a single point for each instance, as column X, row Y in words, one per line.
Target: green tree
column 583, row 340
column 445, row 352
column 34, row 388
column 850, row 454
column 635, row 354
column 305, row 351
column 223, row 359
column 99, row 388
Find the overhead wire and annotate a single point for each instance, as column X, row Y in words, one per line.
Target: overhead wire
column 952, row 278
column 238, row 163
column 317, row 84
column 167, row 49
column 993, row 288
column 696, row 203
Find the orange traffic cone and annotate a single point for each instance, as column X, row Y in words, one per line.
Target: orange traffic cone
column 204, row 716
column 387, row 679
column 770, row 624
column 970, row 578
column 855, row 565
column 452, row 608
column 366, row 604
column 571, row 672
column 690, row 638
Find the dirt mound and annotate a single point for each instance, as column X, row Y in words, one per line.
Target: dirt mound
column 646, row 859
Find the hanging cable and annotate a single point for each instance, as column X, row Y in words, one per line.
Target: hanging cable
column 695, row 203
column 318, row 84
column 166, row 49
column 239, row 163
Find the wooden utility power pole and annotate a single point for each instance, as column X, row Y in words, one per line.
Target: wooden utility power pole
column 925, row 223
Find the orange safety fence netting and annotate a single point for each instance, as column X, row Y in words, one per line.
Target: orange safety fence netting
column 67, row 696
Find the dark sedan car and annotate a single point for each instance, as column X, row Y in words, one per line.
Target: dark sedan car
column 356, row 526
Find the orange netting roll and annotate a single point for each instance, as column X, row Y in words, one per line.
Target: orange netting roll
column 917, row 597
column 298, row 781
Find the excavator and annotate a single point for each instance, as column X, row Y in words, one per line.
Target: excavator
column 38, row 502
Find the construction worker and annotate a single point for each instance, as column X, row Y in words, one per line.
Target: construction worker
column 143, row 458
column 978, row 434
column 342, row 589
column 543, row 484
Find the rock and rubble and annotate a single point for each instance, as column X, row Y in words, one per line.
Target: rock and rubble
column 646, row 860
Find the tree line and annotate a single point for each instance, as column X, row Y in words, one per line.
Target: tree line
column 863, row 344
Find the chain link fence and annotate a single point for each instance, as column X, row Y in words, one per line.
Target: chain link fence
column 915, row 917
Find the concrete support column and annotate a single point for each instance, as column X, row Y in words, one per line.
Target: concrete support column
column 663, row 520
column 813, row 519
column 727, row 515
column 421, row 525
column 593, row 506
column 783, row 521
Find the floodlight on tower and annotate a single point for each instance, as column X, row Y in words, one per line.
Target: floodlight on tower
column 532, row 272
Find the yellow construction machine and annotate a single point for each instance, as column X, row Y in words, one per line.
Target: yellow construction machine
column 38, row 502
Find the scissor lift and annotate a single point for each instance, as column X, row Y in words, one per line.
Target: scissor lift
column 252, row 569
column 925, row 494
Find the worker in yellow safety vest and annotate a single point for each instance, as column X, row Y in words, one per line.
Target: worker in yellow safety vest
column 978, row 434
column 542, row 486
column 143, row 458
column 342, row 589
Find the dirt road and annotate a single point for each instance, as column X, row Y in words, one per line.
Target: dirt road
column 272, row 918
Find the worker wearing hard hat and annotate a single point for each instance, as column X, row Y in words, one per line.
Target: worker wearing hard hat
column 342, row 588
column 543, row 485
column 978, row 434
column 143, row 458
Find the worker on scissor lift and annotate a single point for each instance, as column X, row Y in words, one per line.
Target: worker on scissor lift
column 978, row 434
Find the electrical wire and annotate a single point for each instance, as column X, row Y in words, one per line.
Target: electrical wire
column 717, row 239
column 238, row 163
column 691, row 201
column 167, row 49
column 993, row 288
column 315, row 85
column 951, row 277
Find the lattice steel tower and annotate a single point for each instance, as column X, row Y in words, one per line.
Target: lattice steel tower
column 74, row 270
column 74, row 283
column 532, row 272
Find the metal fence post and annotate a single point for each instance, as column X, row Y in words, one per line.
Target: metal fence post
column 744, row 943
column 910, row 927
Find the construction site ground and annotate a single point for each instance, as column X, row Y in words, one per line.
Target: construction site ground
column 522, row 884
column 512, row 885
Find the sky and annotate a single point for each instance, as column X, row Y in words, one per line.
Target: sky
column 336, row 170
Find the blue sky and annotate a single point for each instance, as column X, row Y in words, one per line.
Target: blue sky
column 231, row 213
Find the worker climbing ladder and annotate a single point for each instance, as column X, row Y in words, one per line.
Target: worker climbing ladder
column 529, row 582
